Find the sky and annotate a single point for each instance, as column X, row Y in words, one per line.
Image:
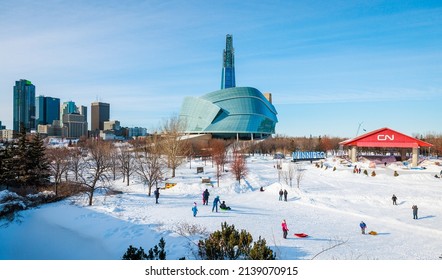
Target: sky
column 333, row 67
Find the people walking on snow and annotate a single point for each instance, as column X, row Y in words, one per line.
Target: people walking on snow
column 394, row 198
column 363, row 226
column 215, row 203
column 285, row 195
column 157, row 195
column 194, row 209
column 206, row 195
column 285, row 229
column 280, row 194
column 414, row 207
column 223, row 206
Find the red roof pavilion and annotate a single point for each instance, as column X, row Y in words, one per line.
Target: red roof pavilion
column 385, row 137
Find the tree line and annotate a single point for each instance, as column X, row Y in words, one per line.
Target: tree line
column 27, row 165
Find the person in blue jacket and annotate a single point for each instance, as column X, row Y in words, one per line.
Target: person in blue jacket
column 194, row 209
column 215, row 203
column 363, row 226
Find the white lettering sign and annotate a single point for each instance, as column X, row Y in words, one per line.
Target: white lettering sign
column 382, row 137
column 308, row 155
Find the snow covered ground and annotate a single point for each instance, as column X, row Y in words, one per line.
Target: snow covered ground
column 328, row 206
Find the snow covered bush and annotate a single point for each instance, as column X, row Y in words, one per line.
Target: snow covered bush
column 10, row 202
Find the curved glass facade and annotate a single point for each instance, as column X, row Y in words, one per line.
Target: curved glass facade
column 234, row 112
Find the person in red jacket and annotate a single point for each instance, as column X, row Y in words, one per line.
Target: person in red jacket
column 284, row 229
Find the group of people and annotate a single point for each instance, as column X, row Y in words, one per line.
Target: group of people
column 283, row 193
column 363, row 225
column 216, row 201
column 206, row 194
column 414, row 207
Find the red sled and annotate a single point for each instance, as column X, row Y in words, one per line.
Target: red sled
column 301, row 235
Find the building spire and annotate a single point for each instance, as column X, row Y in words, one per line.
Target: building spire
column 228, row 72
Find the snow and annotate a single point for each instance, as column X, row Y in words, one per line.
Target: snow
column 328, row 206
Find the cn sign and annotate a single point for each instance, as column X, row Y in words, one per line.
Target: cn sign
column 385, row 137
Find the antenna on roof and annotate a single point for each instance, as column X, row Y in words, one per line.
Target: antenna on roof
column 359, row 127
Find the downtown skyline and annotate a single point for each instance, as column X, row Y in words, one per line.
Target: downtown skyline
column 330, row 65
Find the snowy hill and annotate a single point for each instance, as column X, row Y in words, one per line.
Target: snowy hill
column 328, row 206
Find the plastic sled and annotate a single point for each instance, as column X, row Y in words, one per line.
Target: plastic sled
column 301, row 235
column 373, row 233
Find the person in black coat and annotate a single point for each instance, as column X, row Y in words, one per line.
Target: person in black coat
column 285, row 195
column 394, row 198
column 157, row 195
column 206, row 195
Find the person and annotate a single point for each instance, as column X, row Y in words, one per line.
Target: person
column 261, row 189
column 157, row 195
column 285, row 195
column 363, row 227
column 280, row 194
column 206, row 195
column 224, row 206
column 414, row 207
column 194, row 209
column 394, row 198
column 285, row 229
column 215, row 203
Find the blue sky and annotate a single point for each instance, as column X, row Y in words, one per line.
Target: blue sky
column 330, row 65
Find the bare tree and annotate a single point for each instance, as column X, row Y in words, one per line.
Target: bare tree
column 299, row 175
column 126, row 161
column 76, row 161
column 219, row 155
column 289, row 173
column 114, row 161
column 173, row 145
column 238, row 165
column 96, row 167
column 58, row 159
column 149, row 164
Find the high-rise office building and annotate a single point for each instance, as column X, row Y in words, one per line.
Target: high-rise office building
column 100, row 113
column 228, row 72
column 82, row 110
column 76, row 125
column 68, row 107
column 24, row 105
column 47, row 110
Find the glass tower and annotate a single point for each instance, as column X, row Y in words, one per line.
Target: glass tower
column 24, row 105
column 47, row 110
column 228, row 73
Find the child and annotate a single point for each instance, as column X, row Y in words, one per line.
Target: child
column 223, row 206
column 194, row 209
column 363, row 227
column 284, row 229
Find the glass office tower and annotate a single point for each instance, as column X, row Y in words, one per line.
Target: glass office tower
column 228, row 72
column 24, row 105
column 47, row 110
